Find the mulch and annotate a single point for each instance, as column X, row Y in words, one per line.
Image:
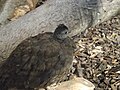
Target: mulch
column 98, row 53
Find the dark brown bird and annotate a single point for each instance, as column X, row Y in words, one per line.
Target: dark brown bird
column 38, row 61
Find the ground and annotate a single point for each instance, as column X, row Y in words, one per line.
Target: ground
column 98, row 51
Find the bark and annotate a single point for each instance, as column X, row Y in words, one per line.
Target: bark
column 76, row 14
column 7, row 8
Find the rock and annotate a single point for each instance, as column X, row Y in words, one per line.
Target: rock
column 78, row 83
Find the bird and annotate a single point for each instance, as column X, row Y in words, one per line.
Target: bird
column 39, row 61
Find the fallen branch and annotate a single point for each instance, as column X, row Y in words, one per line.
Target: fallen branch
column 76, row 14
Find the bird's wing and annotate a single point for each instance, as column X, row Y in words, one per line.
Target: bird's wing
column 18, row 59
column 49, row 55
column 23, row 53
column 34, row 58
column 58, row 59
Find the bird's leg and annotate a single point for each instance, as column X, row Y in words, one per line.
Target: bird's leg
column 79, row 69
column 71, row 75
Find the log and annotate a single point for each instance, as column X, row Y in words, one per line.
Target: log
column 78, row 15
column 7, row 8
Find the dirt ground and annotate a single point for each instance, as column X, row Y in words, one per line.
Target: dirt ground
column 98, row 51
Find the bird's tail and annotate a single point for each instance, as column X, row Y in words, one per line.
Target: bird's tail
column 3, row 84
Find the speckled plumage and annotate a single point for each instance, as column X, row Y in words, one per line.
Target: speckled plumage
column 37, row 62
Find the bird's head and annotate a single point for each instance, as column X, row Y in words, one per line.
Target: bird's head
column 61, row 32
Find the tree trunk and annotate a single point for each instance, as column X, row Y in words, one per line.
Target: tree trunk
column 76, row 14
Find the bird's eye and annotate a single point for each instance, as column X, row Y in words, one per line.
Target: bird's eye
column 66, row 32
